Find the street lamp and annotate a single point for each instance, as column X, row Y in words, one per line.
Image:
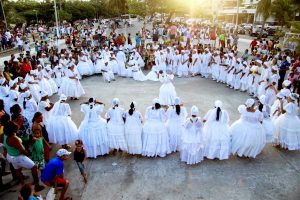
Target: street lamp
column 4, row 17
column 56, row 19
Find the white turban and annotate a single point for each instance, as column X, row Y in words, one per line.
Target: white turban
column 249, row 103
column 194, row 110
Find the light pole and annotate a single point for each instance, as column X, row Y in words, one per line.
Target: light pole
column 4, row 17
column 56, row 19
column 237, row 13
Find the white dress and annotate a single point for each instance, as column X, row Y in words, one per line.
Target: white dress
column 93, row 131
column 167, row 93
column 183, row 69
column 137, row 73
column 42, row 108
column 44, row 83
column 152, row 75
column 216, row 135
column 51, row 81
column 71, row 87
column 175, row 125
column 30, row 109
column 116, row 129
column 192, row 148
column 155, row 135
column 194, row 67
column 83, row 66
column 59, row 76
column 33, row 87
column 288, row 128
column 133, row 132
column 61, row 129
column 248, row 135
column 268, row 124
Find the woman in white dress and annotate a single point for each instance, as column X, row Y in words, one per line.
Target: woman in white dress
column 133, row 129
column 192, row 147
column 194, row 67
column 43, row 81
column 33, row 84
column 176, row 118
column 29, row 106
column 216, row 133
column 287, row 125
column 98, row 62
column 50, row 77
column 59, row 75
column 155, row 134
column 167, row 93
column 137, row 73
column 83, row 66
column 61, row 129
column 183, row 69
column 276, row 106
column 268, row 124
column 115, row 126
column 248, row 135
column 71, row 86
column 93, row 130
column 45, row 107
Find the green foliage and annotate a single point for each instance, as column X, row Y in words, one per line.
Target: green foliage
column 296, row 29
column 283, row 11
column 136, row 7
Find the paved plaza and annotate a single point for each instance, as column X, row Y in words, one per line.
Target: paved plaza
column 273, row 175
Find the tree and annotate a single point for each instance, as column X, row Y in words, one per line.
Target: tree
column 283, row 11
column 264, row 9
column 119, row 6
column 136, row 7
column 296, row 29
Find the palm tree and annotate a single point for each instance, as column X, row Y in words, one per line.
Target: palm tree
column 283, row 11
column 296, row 29
column 119, row 5
column 264, row 9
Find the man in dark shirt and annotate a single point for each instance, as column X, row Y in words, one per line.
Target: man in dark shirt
column 53, row 174
column 282, row 71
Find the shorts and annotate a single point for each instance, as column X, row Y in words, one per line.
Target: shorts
column 20, row 161
column 81, row 167
column 61, row 182
column 40, row 164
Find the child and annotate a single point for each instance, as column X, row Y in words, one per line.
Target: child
column 79, row 157
column 38, row 150
column 192, row 139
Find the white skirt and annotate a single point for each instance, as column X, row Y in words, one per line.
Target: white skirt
column 84, row 68
column 61, row 130
column 192, row 148
column 288, row 131
column 248, row 139
column 94, row 138
column 269, row 128
column 71, row 88
column 116, row 136
column 167, row 94
column 152, row 76
column 133, row 135
column 217, row 141
column 155, row 139
column 45, row 85
column 175, row 130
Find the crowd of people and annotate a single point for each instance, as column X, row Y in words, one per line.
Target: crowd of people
column 31, row 123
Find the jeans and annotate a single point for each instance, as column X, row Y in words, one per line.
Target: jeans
column 81, row 167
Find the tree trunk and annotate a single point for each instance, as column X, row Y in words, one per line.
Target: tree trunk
column 262, row 28
column 172, row 12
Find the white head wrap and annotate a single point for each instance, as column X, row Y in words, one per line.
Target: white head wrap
column 287, row 83
column 115, row 101
column 194, row 110
column 177, row 101
column 249, row 103
column 63, row 97
column 218, row 104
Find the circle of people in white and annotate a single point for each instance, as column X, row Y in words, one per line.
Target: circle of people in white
column 166, row 129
